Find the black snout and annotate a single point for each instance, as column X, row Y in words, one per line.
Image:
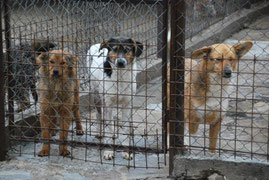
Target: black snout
column 56, row 73
column 227, row 73
column 120, row 63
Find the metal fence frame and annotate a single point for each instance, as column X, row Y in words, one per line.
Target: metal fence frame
column 177, row 55
column 2, row 99
column 162, row 46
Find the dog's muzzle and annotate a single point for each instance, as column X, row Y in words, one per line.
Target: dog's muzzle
column 121, row 63
column 227, row 72
column 56, row 74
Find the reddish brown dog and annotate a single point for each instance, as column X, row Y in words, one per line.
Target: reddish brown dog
column 59, row 96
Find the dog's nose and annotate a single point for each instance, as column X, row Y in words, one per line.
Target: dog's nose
column 120, row 63
column 56, row 73
column 227, row 73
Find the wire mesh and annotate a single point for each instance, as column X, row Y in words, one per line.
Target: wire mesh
column 42, row 37
column 225, row 92
column 232, row 111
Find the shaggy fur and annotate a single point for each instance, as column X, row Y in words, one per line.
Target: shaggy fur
column 59, row 96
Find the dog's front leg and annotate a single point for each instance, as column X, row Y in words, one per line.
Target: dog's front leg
column 53, row 125
column 108, row 155
column 46, row 117
column 77, row 112
column 213, row 135
column 127, row 119
column 98, row 102
column 108, row 118
column 65, row 121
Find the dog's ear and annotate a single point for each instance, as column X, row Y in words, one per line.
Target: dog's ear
column 138, row 48
column 242, row 48
column 42, row 46
column 200, row 53
column 106, row 44
column 71, row 60
column 42, row 59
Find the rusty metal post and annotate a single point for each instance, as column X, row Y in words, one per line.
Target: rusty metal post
column 9, row 61
column 2, row 98
column 177, row 54
column 164, row 21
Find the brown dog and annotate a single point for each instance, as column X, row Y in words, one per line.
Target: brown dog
column 208, row 85
column 59, row 96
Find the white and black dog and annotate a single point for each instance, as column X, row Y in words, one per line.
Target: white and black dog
column 113, row 80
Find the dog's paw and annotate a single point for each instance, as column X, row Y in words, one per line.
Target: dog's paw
column 109, row 155
column 53, row 132
column 99, row 137
column 212, row 151
column 64, row 152
column 43, row 152
column 80, row 132
column 127, row 156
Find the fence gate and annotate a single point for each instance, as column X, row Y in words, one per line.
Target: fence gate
column 219, row 93
column 74, row 26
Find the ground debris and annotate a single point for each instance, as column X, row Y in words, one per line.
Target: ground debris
column 210, row 174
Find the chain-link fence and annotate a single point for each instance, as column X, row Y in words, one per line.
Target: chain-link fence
column 217, row 80
column 52, row 82
column 219, row 105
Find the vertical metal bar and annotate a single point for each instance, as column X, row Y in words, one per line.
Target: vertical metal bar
column 9, row 64
column 268, row 135
column 252, row 107
column 177, row 54
column 20, row 64
column 160, row 28
column 164, row 74
column 157, row 139
column 236, row 111
column 2, row 98
column 145, row 145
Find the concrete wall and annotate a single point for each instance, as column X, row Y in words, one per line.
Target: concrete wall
column 232, row 170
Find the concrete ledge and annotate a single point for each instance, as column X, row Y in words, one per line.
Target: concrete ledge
column 185, row 166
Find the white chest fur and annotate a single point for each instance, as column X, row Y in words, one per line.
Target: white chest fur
column 120, row 87
column 216, row 98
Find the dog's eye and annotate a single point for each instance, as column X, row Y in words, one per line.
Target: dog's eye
column 218, row 59
column 126, row 50
column 230, row 59
column 52, row 61
column 114, row 48
column 62, row 63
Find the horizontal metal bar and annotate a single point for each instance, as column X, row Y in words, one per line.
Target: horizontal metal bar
column 89, row 144
column 129, row 1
